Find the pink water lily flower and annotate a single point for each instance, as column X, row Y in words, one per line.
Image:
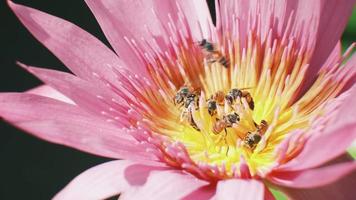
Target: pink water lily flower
column 194, row 110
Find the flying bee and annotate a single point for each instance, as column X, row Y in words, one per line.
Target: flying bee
column 204, row 44
column 227, row 122
column 222, row 60
column 253, row 138
column 233, row 94
column 212, row 54
column 180, row 96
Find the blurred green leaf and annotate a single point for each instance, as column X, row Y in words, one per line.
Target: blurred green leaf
column 349, row 35
column 278, row 194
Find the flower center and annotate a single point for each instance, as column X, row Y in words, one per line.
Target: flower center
column 224, row 109
column 219, row 129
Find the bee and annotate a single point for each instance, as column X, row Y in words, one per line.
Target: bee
column 213, row 54
column 253, row 138
column 226, row 122
column 192, row 122
column 218, row 97
column 212, row 106
column 262, row 128
column 190, row 100
column 223, row 61
column 187, row 115
column 215, row 100
column 182, row 93
column 233, row 94
column 204, row 44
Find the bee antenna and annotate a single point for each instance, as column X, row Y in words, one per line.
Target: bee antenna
column 246, row 88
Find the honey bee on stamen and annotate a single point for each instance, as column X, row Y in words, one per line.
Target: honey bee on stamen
column 235, row 93
column 187, row 115
column 212, row 107
column 212, row 54
column 190, row 100
column 215, row 100
column 191, row 121
column 226, row 122
column 253, row 138
column 180, row 96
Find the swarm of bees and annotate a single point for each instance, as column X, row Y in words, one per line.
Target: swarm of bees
column 187, row 99
column 212, row 54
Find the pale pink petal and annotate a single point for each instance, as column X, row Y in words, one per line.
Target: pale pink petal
column 312, row 177
column 66, row 124
column 89, row 96
column 334, row 140
column 104, row 181
column 162, row 185
column 240, row 189
column 123, row 20
column 48, row 91
column 81, row 52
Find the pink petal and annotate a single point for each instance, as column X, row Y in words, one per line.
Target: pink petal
column 66, row 124
column 343, row 189
column 81, row 52
column 240, row 189
column 133, row 19
column 273, row 14
column 205, row 192
column 316, row 25
column 350, row 64
column 104, row 181
column 333, row 20
column 48, row 91
column 162, row 185
column 333, row 58
column 334, row 140
column 312, row 177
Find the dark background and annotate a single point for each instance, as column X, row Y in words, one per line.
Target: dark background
column 31, row 168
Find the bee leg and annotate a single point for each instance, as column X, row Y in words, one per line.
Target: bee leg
column 228, row 147
column 192, row 122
